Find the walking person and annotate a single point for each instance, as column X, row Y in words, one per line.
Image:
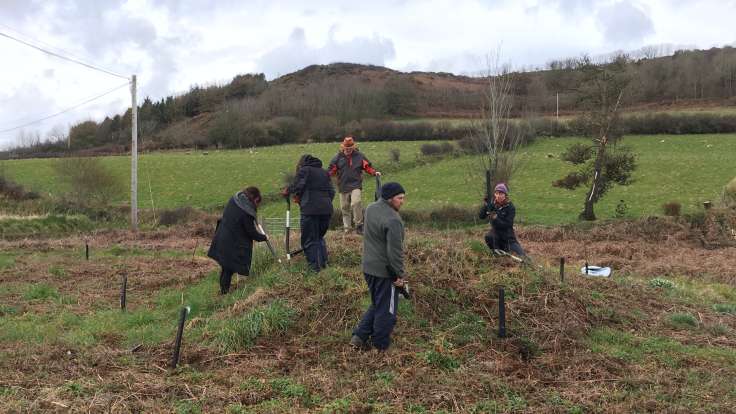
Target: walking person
column 501, row 213
column 314, row 191
column 348, row 165
column 383, row 268
column 232, row 244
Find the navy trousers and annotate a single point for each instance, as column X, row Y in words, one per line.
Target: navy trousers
column 494, row 242
column 226, row 276
column 379, row 320
column 314, row 229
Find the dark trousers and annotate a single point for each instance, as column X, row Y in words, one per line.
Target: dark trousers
column 495, row 242
column 379, row 320
column 314, row 229
column 225, row 278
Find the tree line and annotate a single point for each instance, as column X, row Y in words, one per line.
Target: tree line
column 324, row 102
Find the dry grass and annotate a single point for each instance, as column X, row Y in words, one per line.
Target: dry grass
column 587, row 344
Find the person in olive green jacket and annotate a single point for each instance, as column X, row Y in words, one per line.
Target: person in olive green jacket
column 383, row 268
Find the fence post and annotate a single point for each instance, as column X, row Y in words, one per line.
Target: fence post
column 562, row 269
column 501, row 313
column 179, row 335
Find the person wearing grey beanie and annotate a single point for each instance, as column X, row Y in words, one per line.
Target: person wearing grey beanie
column 383, row 268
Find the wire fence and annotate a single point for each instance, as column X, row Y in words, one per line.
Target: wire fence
column 277, row 225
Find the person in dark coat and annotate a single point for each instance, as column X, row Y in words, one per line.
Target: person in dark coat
column 314, row 191
column 501, row 212
column 232, row 245
column 348, row 165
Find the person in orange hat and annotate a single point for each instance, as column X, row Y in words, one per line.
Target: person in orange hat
column 348, row 165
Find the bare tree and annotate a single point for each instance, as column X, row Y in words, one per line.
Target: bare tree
column 494, row 134
column 56, row 134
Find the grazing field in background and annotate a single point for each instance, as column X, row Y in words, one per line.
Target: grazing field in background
column 688, row 169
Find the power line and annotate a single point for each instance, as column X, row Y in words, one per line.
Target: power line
column 79, row 62
column 65, row 110
column 17, row 33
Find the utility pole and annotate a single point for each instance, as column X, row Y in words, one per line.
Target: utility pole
column 134, row 158
column 558, row 106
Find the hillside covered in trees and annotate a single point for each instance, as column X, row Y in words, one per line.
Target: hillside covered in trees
column 323, row 102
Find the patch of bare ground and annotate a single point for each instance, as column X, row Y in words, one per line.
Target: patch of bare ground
column 649, row 247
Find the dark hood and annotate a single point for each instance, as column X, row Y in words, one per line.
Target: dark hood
column 310, row 161
column 245, row 204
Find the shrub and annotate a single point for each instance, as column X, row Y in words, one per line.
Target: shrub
column 325, row 129
column 437, row 149
column 577, row 153
column 15, row 191
column 571, row 181
column 672, row 209
column 394, row 155
column 176, row 216
column 659, row 282
column 90, row 182
column 622, row 209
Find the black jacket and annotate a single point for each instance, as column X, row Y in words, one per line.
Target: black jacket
column 232, row 245
column 503, row 224
column 314, row 188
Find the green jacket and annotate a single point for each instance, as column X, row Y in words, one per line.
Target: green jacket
column 383, row 241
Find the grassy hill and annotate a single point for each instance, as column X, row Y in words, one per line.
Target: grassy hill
column 651, row 338
column 688, row 169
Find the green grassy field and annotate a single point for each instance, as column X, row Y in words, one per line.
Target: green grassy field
column 687, row 169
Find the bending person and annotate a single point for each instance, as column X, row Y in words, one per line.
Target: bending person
column 232, row 245
column 314, row 192
column 501, row 212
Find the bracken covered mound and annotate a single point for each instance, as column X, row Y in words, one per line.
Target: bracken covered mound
column 657, row 336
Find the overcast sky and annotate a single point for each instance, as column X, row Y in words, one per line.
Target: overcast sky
column 173, row 44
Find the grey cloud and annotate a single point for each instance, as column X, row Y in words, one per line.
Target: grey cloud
column 104, row 29
column 101, row 27
column 14, row 11
column 296, row 53
column 624, row 23
column 464, row 64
